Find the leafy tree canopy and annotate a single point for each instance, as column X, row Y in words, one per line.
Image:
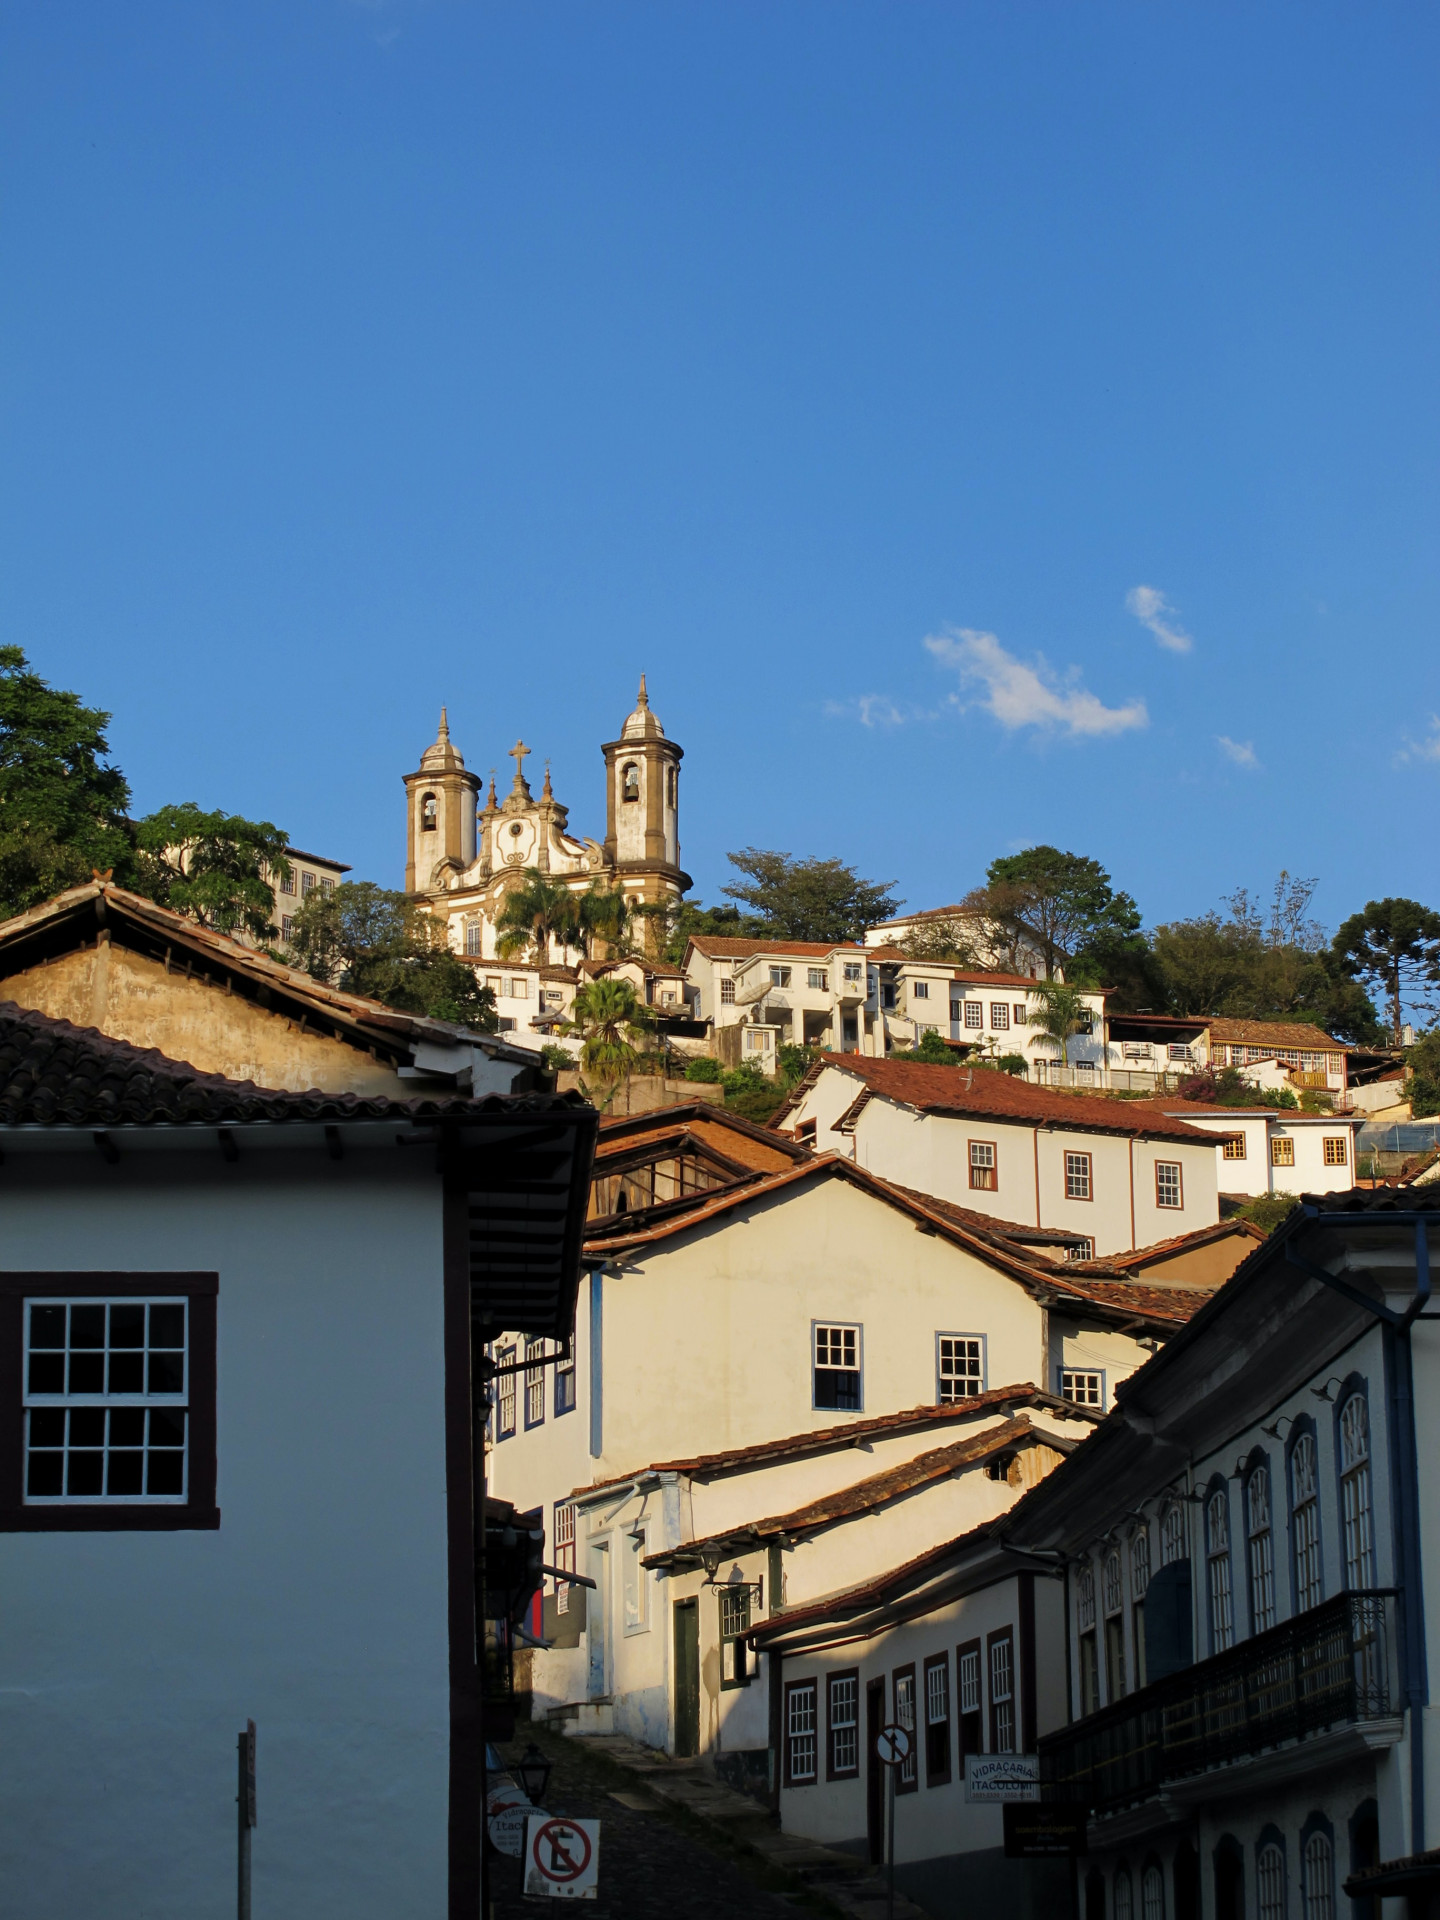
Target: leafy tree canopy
column 1061, row 903
column 375, row 942
column 62, row 805
column 690, row 918
column 1396, row 945
column 1228, row 1087
column 214, row 867
column 1422, row 1063
column 808, row 899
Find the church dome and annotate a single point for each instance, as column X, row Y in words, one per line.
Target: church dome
column 442, row 757
column 642, row 724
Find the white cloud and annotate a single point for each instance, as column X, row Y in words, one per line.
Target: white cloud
column 870, row 709
column 1240, row 751
column 1422, row 749
column 1019, row 695
column 1153, row 610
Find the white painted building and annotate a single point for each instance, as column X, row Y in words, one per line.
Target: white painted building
column 1274, row 1150
column 1121, row 1174
column 233, row 1489
column 1244, row 1543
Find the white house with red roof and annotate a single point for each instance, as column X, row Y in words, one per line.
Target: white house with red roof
column 1122, row 1174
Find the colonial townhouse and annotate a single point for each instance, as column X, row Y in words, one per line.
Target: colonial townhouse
column 1243, row 1544
column 1270, row 1150
column 1155, row 1048
column 1118, row 1175
column 708, row 1546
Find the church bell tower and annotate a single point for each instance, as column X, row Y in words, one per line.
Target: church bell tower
column 440, row 814
column 642, row 808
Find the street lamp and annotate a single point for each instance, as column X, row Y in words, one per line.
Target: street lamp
column 532, row 1770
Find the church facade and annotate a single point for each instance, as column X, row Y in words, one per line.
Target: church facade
column 464, row 856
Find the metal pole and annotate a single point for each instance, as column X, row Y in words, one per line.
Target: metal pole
column 242, row 1805
column 890, row 1908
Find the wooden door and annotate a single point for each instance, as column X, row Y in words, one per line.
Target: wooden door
column 874, row 1771
column 687, row 1679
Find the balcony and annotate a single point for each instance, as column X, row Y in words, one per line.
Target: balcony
column 1325, row 1669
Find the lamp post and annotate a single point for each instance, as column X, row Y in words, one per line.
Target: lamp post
column 532, row 1770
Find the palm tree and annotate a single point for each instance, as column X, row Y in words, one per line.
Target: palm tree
column 609, row 1015
column 536, row 912
column 1063, row 1012
column 604, row 917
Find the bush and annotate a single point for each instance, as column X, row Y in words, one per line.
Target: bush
column 706, row 1071
column 1228, row 1087
column 931, row 1052
column 555, row 1058
column 1267, row 1210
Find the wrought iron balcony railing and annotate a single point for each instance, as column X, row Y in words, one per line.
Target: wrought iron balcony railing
column 1328, row 1667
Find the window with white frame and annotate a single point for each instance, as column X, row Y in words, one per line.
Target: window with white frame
column 1167, row 1183
column 817, row 979
column 1172, row 1535
column 534, row 1382
column 564, row 1550
column 1217, row 1565
column 779, row 976
column 984, row 1169
column 505, row 1394
column 1080, row 1250
column 974, row 1014
column 287, row 882
column 1000, row 1016
column 287, row 926
column 520, row 986
column 327, row 885
column 852, row 972
column 908, row 1773
column 967, row 1688
column 937, row 1720
column 837, row 1373
column 1317, row 1869
column 727, row 993
column 735, row 1601
column 800, row 1742
column 307, row 885
column 960, row 1365
column 1260, row 1548
column 843, row 1723
column 1270, row 1882
column 1084, row 1385
column 1305, row 1524
column 1177, row 1050
column 1355, row 1511
column 1078, row 1184
column 473, row 932
column 106, row 1401
column 1002, row 1692
column 1089, row 1657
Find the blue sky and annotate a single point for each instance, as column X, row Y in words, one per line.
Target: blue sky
column 984, row 424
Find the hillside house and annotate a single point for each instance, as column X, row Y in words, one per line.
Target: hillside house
column 1269, row 1150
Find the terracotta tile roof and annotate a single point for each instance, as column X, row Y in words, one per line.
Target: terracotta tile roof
column 1177, row 1243
column 1273, row 1033
column 998, row 1096
column 988, row 1223
column 797, row 1446
column 1175, row 1305
column 56, row 1074
column 722, row 947
column 864, row 1496
column 859, row 1599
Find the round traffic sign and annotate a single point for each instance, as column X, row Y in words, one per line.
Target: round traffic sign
column 893, row 1745
column 561, row 1850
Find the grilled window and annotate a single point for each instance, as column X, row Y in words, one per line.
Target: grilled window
column 1152, row 1894
column 727, row 993
column 974, row 1013
column 1124, row 1896
column 1000, row 1016
column 472, row 937
column 106, row 1401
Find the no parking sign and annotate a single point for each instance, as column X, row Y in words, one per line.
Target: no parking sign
column 562, row 1858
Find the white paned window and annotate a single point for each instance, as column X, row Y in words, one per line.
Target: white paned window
column 1167, row 1183
column 1084, row 1385
column 851, row 972
column 1260, row 1548
column 974, row 1014
column 1270, row 1882
column 1152, row 1894
column 1000, row 1016
column 472, row 938
column 800, row 1743
column 534, row 1382
column 105, row 1401
column 1355, row 1492
column 779, row 976
column 1318, row 1869
column 817, row 979
column 961, row 1366
column 734, row 1625
column 287, row 926
column 844, row 1723
column 564, row 1552
column 905, row 1717
column 937, row 1694
column 1305, row 1525
column 984, row 1173
column 505, row 1395
column 1077, row 1176
column 307, row 885
column 1172, row 1535
column 727, row 993
column 1080, row 1250
column 968, row 1675
column 1217, row 1563
column 1112, row 1584
column 1002, row 1694
column 520, row 987
column 1124, row 1898
column 920, row 989
column 837, row 1369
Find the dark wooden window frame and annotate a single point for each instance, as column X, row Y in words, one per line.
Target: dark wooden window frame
column 832, row 1772
column 992, row 1640
column 977, row 1712
column 198, row 1510
column 792, row 1687
column 937, row 1776
column 912, row 1785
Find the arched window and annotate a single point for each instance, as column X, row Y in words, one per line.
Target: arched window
column 427, row 814
column 1172, row 1534
column 1113, row 1588
column 1124, row 1895
column 1355, row 1492
column 1317, row 1875
column 672, row 784
column 630, row 781
column 1217, row 1566
column 1139, row 1582
column 1089, row 1657
column 472, row 937
column 1270, row 1881
column 1305, row 1524
column 1260, row 1547
column 1152, row 1892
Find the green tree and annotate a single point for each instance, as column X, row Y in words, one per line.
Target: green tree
column 948, row 938
column 1061, row 903
column 1061, row 1014
column 604, row 918
column 62, row 805
column 610, row 1017
column 536, row 912
column 378, row 943
column 216, row 868
column 808, row 899
column 1422, row 1065
column 679, row 923
column 1396, row 944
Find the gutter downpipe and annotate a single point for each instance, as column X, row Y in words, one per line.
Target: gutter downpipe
column 1405, row 1459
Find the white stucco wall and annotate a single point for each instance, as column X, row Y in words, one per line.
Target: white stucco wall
column 130, row 1661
